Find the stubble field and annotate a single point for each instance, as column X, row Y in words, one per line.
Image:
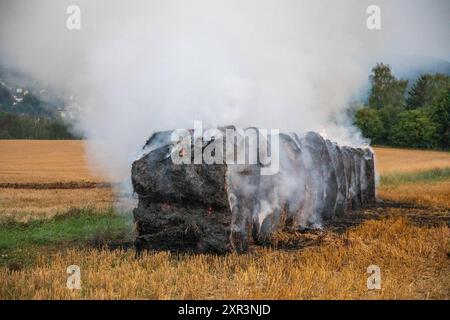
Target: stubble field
column 54, row 213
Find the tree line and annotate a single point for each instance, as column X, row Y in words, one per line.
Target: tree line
column 418, row 117
column 16, row 126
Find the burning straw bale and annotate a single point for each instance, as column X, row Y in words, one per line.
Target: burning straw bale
column 226, row 207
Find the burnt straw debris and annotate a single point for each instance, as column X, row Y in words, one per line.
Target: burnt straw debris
column 224, row 207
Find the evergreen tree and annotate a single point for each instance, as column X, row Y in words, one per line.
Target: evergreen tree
column 427, row 90
column 417, row 93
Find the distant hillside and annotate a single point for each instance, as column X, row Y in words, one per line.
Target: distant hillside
column 410, row 67
column 21, row 101
column 28, row 110
column 21, row 95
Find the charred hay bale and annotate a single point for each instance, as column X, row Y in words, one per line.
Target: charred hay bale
column 159, row 180
column 226, row 207
column 358, row 175
column 353, row 178
column 279, row 197
column 348, row 169
column 182, row 207
column 195, row 207
column 242, row 183
column 179, row 227
column 368, row 180
column 322, row 177
column 337, row 159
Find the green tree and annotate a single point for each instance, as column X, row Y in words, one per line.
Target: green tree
column 440, row 115
column 427, row 90
column 415, row 129
column 386, row 90
column 370, row 123
column 13, row 126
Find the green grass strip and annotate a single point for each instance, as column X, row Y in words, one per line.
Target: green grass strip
column 77, row 225
column 422, row 176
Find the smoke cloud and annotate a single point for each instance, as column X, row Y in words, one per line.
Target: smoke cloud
column 142, row 66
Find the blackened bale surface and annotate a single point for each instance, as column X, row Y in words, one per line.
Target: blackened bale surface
column 181, row 207
column 227, row 207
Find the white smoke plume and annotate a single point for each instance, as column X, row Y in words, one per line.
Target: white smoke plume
column 142, row 66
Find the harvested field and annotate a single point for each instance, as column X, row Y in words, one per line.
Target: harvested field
column 391, row 160
column 406, row 234
column 39, row 179
column 44, row 161
column 413, row 261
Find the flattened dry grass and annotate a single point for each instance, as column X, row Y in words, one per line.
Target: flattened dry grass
column 413, row 264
